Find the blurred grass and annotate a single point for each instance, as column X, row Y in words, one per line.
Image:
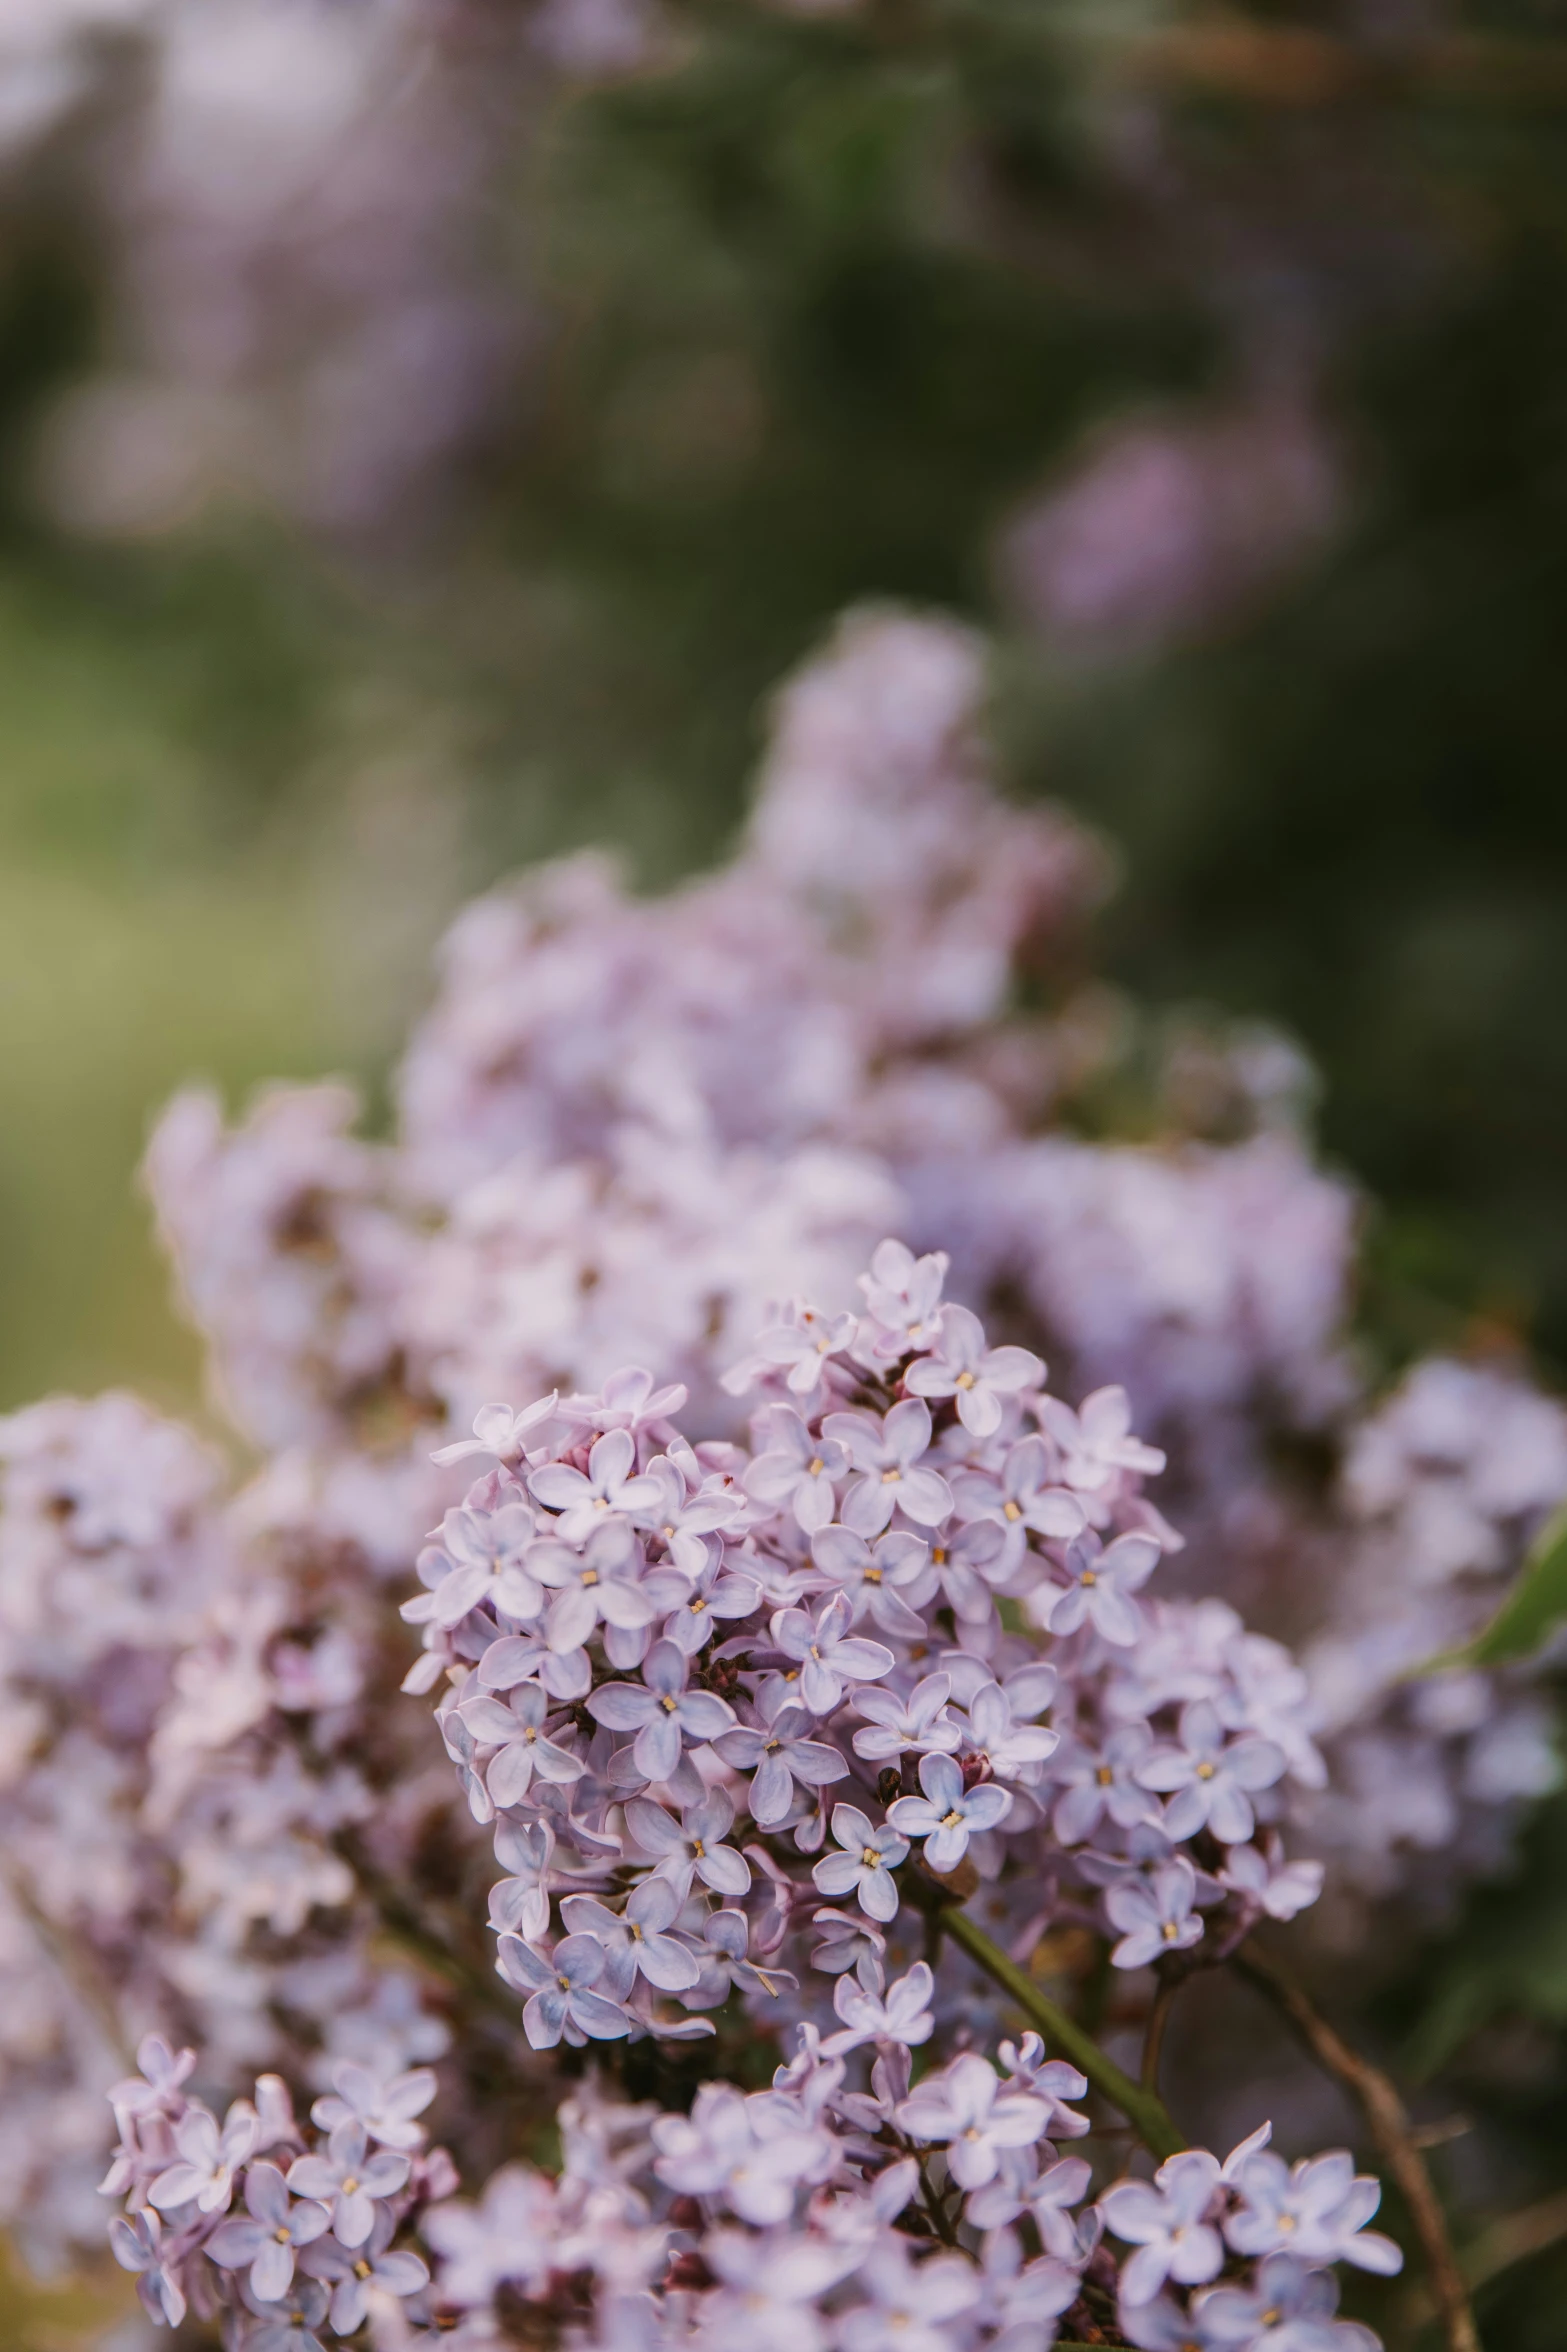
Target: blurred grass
column 159, row 923
column 47, row 2316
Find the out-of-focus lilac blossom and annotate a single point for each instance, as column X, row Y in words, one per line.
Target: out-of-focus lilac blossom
column 1213, row 1780
column 1154, row 1914
column 350, row 2179
column 386, row 2108
column 1316, row 2210
column 264, row 2243
column 1165, row 2219
column 499, row 1431
column 902, row 2014
column 973, row 2114
column 720, row 2147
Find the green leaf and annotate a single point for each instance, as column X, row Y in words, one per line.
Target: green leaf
column 1536, row 1604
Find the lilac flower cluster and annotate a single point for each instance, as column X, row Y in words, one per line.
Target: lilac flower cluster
column 283, row 2230
column 709, row 1692
column 940, row 2215
column 724, row 1702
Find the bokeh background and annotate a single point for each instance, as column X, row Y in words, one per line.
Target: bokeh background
column 427, row 428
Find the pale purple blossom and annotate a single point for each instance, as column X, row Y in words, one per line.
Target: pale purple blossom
column 699, row 1603
column 884, row 1583
column 864, row 1864
column 562, row 2003
column 481, row 1559
column 637, row 1939
column 1262, row 1876
column 136, row 2242
column 777, row 1755
column 1166, row 2219
column 981, row 1379
column 350, row 2180
column 517, row 1728
column 263, row 2241
column 1154, row 1913
column 911, row 2307
column 893, row 1724
column 947, row 1815
column 386, row 2108
column 728, row 2144
column 903, row 1297
column 1289, row 2308
column 508, row 2237
column 902, row 2014
column 799, row 1347
column 692, row 1847
column 611, row 1483
column 663, row 1711
column 1012, row 1748
column 970, row 2111
column 827, row 1655
column 1100, row 1782
column 1213, row 1781
column 797, row 1469
column 208, row 2156
column 351, row 2274
column 1096, row 1441
column 888, row 1456
column 1316, row 2210
column 598, row 1584
column 499, row 1431
column 1101, row 1581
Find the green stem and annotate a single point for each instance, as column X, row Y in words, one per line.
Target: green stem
column 1143, row 2109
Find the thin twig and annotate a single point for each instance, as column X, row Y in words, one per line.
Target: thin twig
column 1153, row 2037
column 1143, row 2109
column 1496, row 2249
column 1389, row 2123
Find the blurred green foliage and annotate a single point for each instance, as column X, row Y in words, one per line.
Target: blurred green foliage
column 822, row 299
